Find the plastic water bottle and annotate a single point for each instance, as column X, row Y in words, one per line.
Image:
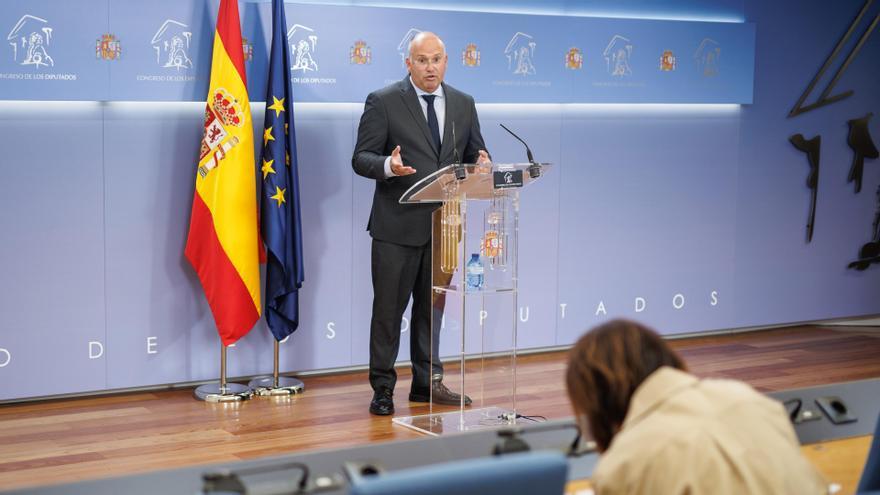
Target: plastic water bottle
column 474, row 273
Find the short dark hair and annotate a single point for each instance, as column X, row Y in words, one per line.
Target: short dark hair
column 605, row 367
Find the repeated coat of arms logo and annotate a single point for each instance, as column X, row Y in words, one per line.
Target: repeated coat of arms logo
column 667, row 61
column 108, row 47
column 470, row 56
column 360, row 53
column 247, row 49
column 574, row 59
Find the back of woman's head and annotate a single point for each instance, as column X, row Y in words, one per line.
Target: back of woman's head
column 605, row 367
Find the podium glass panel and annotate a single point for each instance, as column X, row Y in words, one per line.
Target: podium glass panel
column 474, row 325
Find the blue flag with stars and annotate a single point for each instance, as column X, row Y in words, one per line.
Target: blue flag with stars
column 279, row 204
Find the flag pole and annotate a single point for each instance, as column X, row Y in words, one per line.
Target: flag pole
column 222, row 369
column 224, row 215
column 222, row 391
column 276, row 385
column 279, row 212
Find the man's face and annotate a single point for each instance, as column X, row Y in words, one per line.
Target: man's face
column 427, row 64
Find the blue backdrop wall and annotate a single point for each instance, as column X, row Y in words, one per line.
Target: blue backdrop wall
column 690, row 217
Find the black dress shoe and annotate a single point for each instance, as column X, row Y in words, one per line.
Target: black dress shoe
column 382, row 403
column 440, row 395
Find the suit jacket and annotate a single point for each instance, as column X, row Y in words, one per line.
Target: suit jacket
column 393, row 116
column 683, row 435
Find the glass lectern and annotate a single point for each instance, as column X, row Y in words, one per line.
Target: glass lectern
column 474, row 325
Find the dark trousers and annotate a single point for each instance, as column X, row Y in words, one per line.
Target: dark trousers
column 398, row 273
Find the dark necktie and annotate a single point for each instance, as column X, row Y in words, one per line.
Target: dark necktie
column 433, row 125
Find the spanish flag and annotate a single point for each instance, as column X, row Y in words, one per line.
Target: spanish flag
column 223, row 243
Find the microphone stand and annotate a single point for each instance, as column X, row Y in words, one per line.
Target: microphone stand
column 534, row 168
column 458, row 168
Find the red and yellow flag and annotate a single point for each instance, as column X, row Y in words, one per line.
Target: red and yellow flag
column 223, row 241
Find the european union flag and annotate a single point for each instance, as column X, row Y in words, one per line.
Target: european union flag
column 279, row 204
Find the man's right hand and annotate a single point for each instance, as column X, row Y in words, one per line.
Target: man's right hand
column 397, row 166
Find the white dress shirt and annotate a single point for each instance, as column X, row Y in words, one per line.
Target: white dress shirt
column 439, row 109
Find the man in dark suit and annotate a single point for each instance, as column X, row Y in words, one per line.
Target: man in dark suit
column 405, row 134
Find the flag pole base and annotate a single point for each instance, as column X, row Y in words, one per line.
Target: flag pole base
column 232, row 392
column 265, row 386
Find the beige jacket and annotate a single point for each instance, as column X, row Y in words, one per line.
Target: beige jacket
column 685, row 436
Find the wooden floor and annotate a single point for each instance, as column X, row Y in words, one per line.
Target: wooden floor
column 66, row 440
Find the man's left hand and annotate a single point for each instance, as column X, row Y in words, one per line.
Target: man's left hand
column 484, row 163
column 484, row 159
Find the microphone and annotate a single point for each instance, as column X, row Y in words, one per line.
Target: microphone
column 233, row 481
column 510, row 440
column 534, row 168
column 458, row 167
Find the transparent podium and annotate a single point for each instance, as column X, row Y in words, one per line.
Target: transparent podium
column 474, row 297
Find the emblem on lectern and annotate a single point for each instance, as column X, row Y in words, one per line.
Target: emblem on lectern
column 491, row 244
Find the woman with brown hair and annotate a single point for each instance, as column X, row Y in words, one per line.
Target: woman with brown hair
column 662, row 430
